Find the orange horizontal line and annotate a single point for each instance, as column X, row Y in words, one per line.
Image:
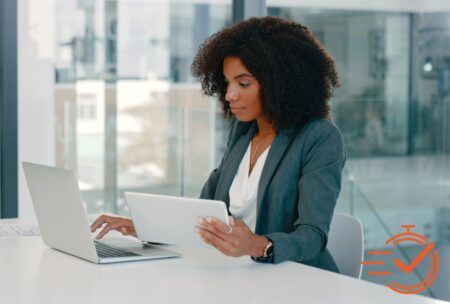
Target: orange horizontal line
column 379, row 252
column 372, row 263
column 378, row 273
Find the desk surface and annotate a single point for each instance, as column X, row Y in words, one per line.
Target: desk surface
column 33, row 273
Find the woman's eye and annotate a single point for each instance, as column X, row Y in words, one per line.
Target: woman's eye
column 244, row 84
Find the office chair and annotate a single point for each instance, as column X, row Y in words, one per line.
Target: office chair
column 346, row 244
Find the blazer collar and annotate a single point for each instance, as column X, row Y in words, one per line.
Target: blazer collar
column 239, row 144
column 277, row 150
column 243, row 135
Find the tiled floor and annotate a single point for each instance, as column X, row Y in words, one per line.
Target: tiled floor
column 402, row 190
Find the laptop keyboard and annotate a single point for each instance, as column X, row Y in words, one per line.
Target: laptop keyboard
column 18, row 230
column 106, row 251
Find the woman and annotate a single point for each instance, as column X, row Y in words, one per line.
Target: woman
column 280, row 175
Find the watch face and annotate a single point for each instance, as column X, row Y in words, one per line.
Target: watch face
column 269, row 250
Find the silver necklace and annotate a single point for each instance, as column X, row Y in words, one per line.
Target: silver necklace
column 252, row 159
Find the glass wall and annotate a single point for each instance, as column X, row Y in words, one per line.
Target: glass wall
column 394, row 69
column 126, row 105
column 393, row 111
column 430, row 83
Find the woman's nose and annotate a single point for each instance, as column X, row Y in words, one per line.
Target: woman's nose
column 231, row 95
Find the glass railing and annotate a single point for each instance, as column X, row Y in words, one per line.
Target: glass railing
column 386, row 193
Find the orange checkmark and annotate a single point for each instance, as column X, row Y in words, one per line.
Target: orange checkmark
column 417, row 260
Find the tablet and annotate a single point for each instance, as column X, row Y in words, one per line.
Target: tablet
column 171, row 219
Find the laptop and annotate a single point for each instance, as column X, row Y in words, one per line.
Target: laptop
column 63, row 223
column 170, row 219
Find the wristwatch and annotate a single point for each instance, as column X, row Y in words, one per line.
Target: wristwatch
column 267, row 253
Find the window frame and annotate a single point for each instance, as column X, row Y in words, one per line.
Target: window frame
column 8, row 110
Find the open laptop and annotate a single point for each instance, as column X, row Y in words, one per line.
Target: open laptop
column 63, row 223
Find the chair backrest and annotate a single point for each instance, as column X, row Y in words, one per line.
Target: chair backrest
column 346, row 244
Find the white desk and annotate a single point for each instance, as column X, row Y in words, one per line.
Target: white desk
column 32, row 273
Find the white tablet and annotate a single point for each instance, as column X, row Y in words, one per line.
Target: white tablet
column 170, row 219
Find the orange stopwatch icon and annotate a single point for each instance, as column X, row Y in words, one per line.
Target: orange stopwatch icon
column 427, row 251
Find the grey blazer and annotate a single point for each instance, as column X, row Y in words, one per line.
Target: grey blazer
column 298, row 189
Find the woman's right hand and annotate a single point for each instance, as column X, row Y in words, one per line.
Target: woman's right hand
column 121, row 224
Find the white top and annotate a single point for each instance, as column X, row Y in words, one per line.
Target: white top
column 244, row 189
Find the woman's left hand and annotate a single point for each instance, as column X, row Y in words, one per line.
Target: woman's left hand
column 235, row 240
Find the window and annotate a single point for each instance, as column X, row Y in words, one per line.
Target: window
column 128, row 114
column 87, row 107
column 393, row 111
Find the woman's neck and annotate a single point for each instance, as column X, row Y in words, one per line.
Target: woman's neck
column 264, row 127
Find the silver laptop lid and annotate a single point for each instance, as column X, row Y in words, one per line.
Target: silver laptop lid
column 59, row 210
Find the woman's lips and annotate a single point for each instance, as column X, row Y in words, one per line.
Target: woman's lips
column 236, row 109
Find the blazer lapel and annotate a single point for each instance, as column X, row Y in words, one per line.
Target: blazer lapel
column 276, row 152
column 233, row 160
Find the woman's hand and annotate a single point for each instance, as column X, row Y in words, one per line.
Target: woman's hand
column 121, row 224
column 235, row 240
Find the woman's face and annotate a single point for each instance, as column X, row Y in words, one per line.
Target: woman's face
column 242, row 90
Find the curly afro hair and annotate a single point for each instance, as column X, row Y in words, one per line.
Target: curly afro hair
column 296, row 75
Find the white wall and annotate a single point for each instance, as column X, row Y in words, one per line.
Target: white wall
column 35, row 90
